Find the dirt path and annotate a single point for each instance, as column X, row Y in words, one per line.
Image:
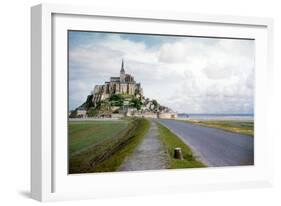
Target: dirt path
column 149, row 155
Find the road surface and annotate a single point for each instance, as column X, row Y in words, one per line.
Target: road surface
column 214, row 147
column 149, row 155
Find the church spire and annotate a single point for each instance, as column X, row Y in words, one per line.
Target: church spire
column 122, row 67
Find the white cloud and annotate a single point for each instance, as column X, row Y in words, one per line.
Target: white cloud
column 193, row 75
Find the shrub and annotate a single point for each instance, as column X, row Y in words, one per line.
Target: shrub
column 136, row 103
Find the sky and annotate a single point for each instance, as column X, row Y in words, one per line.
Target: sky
column 187, row 74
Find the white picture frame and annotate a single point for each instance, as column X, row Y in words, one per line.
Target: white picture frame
column 49, row 179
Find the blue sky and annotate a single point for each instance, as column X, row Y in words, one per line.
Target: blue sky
column 187, row 74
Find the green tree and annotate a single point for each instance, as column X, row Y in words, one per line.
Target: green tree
column 92, row 112
column 155, row 103
column 136, row 103
column 88, row 103
column 73, row 113
column 116, row 100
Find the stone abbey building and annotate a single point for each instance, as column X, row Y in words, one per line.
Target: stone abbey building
column 124, row 84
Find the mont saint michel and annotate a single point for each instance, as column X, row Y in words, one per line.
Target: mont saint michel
column 120, row 97
column 158, row 102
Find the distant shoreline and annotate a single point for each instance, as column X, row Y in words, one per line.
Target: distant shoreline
column 238, row 117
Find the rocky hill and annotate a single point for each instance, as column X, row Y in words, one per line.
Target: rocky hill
column 118, row 104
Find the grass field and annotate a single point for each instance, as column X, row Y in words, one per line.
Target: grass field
column 237, row 126
column 171, row 141
column 84, row 134
column 96, row 146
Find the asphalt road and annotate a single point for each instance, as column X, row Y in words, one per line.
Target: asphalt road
column 214, row 147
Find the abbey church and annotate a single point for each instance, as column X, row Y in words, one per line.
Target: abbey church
column 124, row 84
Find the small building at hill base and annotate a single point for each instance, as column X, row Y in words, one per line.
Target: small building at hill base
column 81, row 113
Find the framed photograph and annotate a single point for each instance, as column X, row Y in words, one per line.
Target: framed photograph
column 135, row 102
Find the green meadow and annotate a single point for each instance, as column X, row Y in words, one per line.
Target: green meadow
column 88, row 133
column 236, row 126
column 102, row 145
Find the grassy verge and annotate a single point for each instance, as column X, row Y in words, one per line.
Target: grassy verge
column 113, row 142
column 172, row 141
column 236, row 126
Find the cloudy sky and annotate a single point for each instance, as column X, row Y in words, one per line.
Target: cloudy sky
column 187, row 74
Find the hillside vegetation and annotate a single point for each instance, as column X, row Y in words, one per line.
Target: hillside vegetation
column 117, row 103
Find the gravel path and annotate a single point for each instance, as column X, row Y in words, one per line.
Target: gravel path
column 149, row 155
column 214, row 147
